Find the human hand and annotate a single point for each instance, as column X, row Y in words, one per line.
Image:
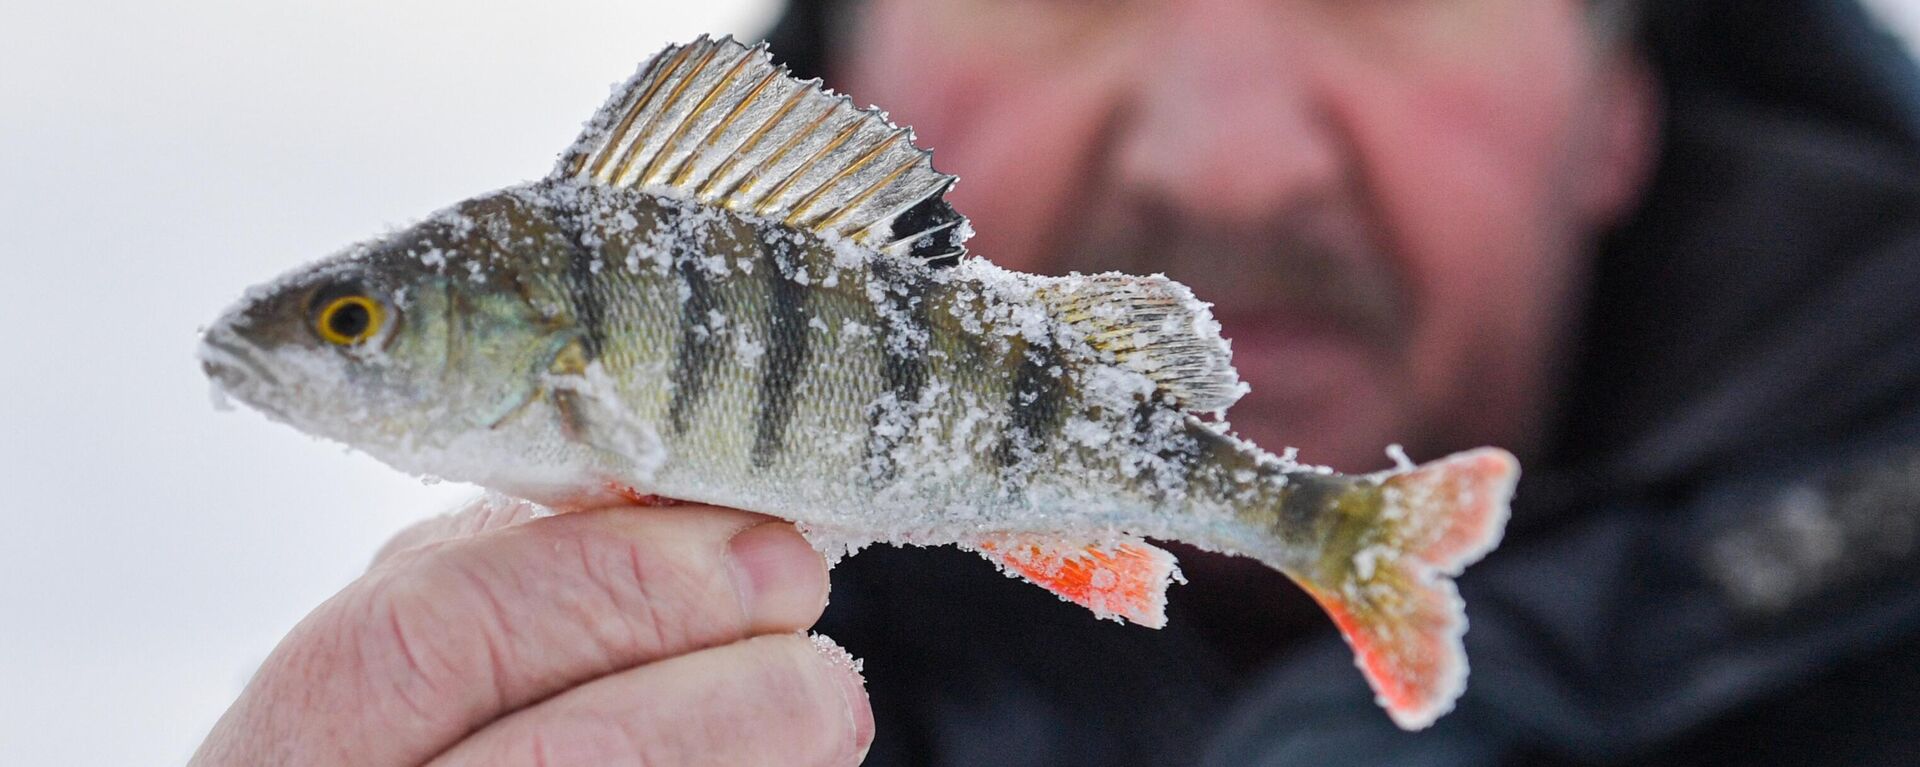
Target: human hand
column 662, row 636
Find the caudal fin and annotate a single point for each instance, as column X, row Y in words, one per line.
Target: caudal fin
column 1386, row 578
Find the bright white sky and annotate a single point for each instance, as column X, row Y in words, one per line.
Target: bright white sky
column 1902, row 16
column 155, row 158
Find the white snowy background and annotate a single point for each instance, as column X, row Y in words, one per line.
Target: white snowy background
column 154, row 159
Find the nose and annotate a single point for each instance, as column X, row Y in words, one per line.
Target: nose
column 1228, row 119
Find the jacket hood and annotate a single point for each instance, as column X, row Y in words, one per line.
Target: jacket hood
column 1759, row 306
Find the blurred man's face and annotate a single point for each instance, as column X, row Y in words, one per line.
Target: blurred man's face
column 1387, row 201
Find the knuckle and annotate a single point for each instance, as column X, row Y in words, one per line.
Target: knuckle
column 423, row 634
column 669, row 608
column 400, row 657
column 651, row 596
column 575, row 592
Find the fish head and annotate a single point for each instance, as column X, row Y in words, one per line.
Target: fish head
column 405, row 347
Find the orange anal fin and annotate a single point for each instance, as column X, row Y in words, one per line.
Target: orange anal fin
column 1126, row 580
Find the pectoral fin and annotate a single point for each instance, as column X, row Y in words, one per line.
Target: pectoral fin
column 1125, row 580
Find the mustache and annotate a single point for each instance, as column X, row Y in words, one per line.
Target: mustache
column 1309, row 265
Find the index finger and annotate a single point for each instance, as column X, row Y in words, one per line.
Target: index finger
column 439, row 640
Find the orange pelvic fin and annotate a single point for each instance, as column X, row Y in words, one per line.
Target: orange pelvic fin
column 1124, row 581
column 638, row 498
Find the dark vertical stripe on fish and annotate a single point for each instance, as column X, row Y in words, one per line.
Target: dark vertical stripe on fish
column 1306, row 498
column 1035, row 407
column 1180, row 444
column 589, row 308
column 940, row 248
column 694, row 359
column 786, row 356
column 590, row 312
column 904, row 339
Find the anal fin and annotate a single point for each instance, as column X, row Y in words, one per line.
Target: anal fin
column 1125, row 580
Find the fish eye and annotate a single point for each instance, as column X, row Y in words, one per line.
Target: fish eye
column 348, row 320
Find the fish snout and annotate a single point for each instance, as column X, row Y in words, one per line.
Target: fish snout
column 231, row 360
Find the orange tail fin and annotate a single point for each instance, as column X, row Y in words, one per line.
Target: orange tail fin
column 1387, row 583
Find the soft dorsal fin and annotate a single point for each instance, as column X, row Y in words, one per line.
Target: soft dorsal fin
column 717, row 122
column 1155, row 326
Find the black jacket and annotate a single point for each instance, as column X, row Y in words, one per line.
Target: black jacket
column 1718, row 562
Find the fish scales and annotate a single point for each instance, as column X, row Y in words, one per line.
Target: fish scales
column 899, row 364
column 736, row 288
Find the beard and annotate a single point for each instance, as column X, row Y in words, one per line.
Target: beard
column 1315, row 264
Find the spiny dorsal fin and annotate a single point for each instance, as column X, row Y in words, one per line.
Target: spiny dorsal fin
column 717, row 122
column 1155, row 326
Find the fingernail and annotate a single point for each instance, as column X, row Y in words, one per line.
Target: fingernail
column 781, row 579
column 853, row 690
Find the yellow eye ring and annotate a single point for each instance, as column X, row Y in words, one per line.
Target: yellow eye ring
column 349, row 320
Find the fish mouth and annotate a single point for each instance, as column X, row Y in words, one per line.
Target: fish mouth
column 229, row 360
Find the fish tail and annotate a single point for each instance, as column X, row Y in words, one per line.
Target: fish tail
column 1386, row 575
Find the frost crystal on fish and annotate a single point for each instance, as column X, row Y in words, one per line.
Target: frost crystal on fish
column 715, row 299
column 836, row 654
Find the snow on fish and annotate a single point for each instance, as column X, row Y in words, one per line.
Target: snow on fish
column 736, row 288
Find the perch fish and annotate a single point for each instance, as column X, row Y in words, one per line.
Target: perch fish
column 737, row 288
